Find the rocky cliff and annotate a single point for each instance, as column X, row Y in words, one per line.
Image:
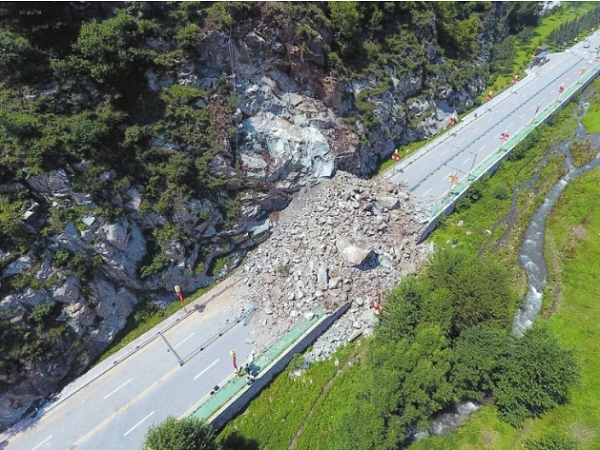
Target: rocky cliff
column 91, row 238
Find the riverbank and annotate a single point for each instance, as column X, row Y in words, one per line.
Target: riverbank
column 571, row 247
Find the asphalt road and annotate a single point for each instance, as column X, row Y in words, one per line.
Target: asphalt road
column 462, row 150
column 115, row 411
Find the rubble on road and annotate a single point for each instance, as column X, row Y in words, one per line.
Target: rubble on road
column 345, row 239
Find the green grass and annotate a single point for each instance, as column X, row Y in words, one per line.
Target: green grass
column 135, row 328
column 274, row 418
column 592, row 119
column 575, row 322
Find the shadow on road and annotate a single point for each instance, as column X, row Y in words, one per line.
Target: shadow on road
column 236, row 441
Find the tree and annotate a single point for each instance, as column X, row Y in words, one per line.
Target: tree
column 480, row 355
column 479, row 289
column 184, row 434
column 345, row 20
column 15, row 52
column 537, row 376
column 523, row 14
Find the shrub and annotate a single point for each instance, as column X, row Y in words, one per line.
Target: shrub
column 501, row 192
column 184, row 434
column 41, row 313
column 537, row 377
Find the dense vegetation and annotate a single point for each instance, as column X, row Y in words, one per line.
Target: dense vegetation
column 185, row 434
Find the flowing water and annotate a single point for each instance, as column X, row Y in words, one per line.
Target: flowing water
column 531, row 253
column 531, row 257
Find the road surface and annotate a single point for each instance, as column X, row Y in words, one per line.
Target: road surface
column 458, row 152
column 114, row 411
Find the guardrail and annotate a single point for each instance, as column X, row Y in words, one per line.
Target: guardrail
column 491, row 164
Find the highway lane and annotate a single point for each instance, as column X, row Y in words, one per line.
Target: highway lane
column 462, row 150
column 114, row 411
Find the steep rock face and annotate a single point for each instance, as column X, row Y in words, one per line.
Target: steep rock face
column 296, row 122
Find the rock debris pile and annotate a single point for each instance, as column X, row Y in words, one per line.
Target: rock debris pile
column 343, row 240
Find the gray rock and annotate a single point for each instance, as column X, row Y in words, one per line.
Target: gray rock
column 322, row 277
column 309, row 315
column 69, row 292
column 390, row 203
column 116, row 235
column 335, row 283
column 353, row 254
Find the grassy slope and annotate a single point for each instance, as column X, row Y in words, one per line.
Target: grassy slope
column 273, row 419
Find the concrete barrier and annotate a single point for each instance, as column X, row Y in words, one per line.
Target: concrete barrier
column 241, row 400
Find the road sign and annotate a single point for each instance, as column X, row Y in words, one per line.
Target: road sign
column 561, row 89
column 515, row 79
column 396, row 155
column 489, row 96
column 504, row 136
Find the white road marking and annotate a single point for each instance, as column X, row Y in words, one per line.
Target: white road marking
column 512, row 123
column 460, row 140
column 426, row 192
column 425, row 165
column 204, row 371
column 184, row 340
column 42, row 443
column 448, row 176
column 444, row 152
column 476, row 130
column 127, row 382
column 466, row 161
column 138, row 424
column 483, row 146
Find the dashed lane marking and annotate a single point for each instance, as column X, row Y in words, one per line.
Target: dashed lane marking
column 111, row 393
column 205, row 370
column 138, row 424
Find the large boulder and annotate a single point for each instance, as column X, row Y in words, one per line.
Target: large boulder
column 290, row 148
column 353, row 254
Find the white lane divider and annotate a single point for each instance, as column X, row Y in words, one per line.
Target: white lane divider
column 425, row 165
column 205, row 370
column 444, row 152
column 184, row 340
column 426, row 192
column 138, row 424
column 460, row 140
column 466, row 161
column 42, row 443
column 111, row 393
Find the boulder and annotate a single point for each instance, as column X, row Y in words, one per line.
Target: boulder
column 390, row 203
column 353, row 254
column 322, row 277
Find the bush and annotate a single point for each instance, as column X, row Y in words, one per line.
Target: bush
column 475, row 191
column 41, row 313
column 184, row 434
column 501, row 192
column 537, row 377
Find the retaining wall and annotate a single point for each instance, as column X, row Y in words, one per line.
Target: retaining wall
column 241, row 400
